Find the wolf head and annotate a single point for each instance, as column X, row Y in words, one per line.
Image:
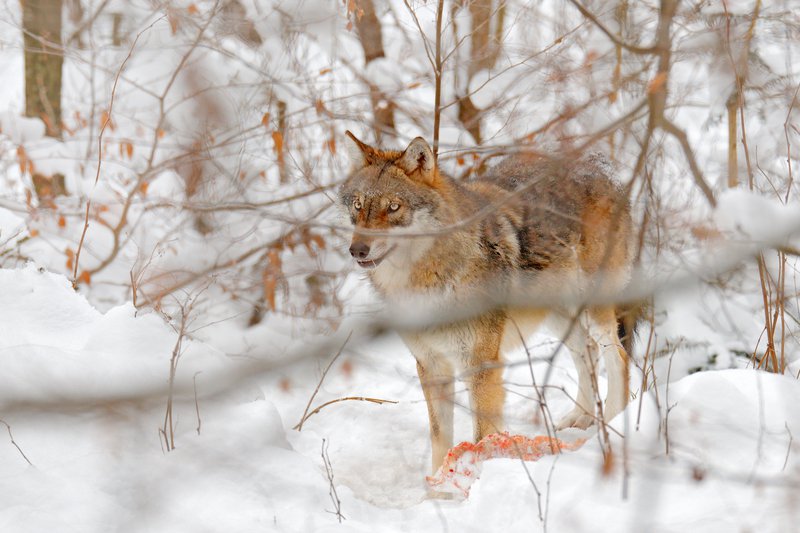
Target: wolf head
column 390, row 192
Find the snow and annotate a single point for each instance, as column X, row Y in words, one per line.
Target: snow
column 85, row 375
column 755, row 218
column 82, row 359
column 11, row 227
column 98, row 463
column 21, row 129
column 486, row 87
column 383, row 73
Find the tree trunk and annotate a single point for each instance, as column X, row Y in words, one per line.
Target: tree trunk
column 486, row 42
column 44, row 57
column 371, row 37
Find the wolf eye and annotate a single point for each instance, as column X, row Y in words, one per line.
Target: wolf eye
column 394, row 206
column 357, row 205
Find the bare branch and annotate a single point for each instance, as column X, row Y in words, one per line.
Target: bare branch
column 10, row 436
column 299, row 425
column 337, row 504
column 106, row 122
column 379, row 401
column 616, row 40
column 681, row 137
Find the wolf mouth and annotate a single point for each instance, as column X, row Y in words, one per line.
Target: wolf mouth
column 372, row 263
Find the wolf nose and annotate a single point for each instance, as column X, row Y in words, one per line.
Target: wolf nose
column 359, row 250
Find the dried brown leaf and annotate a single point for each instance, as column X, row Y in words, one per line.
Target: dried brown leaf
column 277, row 139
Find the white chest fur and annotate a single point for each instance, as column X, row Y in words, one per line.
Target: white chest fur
column 453, row 343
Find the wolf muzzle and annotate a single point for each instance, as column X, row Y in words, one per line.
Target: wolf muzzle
column 359, row 250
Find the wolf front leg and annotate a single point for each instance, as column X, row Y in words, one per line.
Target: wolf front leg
column 485, row 378
column 437, row 379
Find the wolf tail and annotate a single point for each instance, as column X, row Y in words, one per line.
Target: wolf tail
column 629, row 316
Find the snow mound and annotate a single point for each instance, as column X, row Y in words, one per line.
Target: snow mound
column 21, row 129
column 747, row 215
column 97, row 461
column 55, row 345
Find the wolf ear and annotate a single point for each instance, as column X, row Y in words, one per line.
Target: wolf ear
column 360, row 154
column 417, row 161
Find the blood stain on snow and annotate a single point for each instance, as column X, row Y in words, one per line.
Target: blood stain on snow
column 462, row 465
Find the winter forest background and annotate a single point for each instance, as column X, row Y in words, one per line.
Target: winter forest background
column 176, row 300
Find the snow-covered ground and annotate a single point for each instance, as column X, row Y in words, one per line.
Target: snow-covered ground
column 84, row 395
column 85, row 376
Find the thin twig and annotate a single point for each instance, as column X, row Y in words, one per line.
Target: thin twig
column 8, row 427
column 789, row 144
column 437, row 111
column 547, row 492
column 168, row 429
column 106, row 122
column 668, row 406
column 643, row 388
column 547, row 416
column 788, row 446
column 425, row 42
column 697, row 174
column 88, row 23
column 379, row 401
column 116, row 231
column 299, row 425
column 616, row 40
column 196, row 403
column 337, row 504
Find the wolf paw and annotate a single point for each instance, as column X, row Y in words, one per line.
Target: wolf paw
column 577, row 418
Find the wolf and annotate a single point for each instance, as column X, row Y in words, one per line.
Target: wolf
column 528, row 226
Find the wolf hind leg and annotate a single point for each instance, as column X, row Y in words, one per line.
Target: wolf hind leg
column 615, row 357
column 584, row 355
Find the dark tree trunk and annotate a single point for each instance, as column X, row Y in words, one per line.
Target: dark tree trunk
column 44, row 57
column 371, row 37
column 486, row 42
